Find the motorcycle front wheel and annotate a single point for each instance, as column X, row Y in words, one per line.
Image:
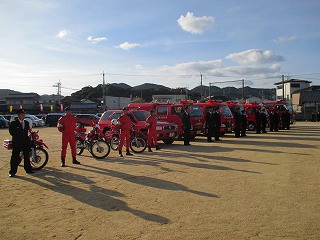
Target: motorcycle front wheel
column 79, row 146
column 100, row 149
column 138, row 145
column 38, row 158
column 114, row 143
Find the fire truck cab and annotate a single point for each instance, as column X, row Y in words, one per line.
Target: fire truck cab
column 169, row 112
column 227, row 120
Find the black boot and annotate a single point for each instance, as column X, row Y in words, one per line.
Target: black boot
column 74, row 161
column 128, row 153
column 149, row 149
column 157, row 147
column 120, row 153
column 63, row 162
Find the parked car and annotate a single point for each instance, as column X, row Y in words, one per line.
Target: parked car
column 52, row 119
column 4, row 123
column 36, row 122
column 167, row 132
column 87, row 119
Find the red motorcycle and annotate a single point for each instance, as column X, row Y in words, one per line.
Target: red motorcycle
column 38, row 155
column 138, row 140
column 94, row 141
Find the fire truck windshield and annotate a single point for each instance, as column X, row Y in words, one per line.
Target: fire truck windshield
column 196, row 111
column 225, row 111
column 141, row 115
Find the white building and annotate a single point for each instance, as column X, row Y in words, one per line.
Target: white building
column 168, row 98
column 287, row 87
column 116, row 102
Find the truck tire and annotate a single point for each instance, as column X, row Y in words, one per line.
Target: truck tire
column 168, row 141
column 251, row 126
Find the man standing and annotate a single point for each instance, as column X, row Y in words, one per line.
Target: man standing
column 244, row 123
column 151, row 124
column 19, row 129
column 67, row 125
column 216, row 124
column 258, row 116
column 209, row 123
column 186, row 125
column 263, row 114
column 237, row 121
column 124, row 122
column 272, row 120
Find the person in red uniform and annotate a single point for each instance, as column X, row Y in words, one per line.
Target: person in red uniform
column 124, row 122
column 151, row 124
column 67, row 125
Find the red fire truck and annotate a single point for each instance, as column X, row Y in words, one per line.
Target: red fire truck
column 281, row 106
column 251, row 109
column 227, row 120
column 169, row 112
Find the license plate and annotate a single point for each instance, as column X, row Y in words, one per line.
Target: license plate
column 171, row 134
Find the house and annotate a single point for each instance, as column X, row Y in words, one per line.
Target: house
column 306, row 101
column 286, row 88
column 80, row 105
column 28, row 101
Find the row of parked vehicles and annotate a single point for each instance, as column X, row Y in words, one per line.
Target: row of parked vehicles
column 104, row 134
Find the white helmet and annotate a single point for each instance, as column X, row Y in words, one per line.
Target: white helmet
column 114, row 122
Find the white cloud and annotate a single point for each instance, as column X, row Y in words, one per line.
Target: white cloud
column 194, row 67
column 195, row 25
column 253, row 71
column 282, row 39
column 255, row 56
column 63, row 33
column 127, row 46
column 96, row 40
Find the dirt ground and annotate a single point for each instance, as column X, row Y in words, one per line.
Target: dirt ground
column 263, row 186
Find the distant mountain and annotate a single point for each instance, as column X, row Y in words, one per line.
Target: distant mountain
column 146, row 86
column 146, row 91
column 5, row 92
column 121, row 85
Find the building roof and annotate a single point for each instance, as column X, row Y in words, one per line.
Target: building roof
column 309, row 94
column 310, row 97
column 293, row 81
column 22, row 95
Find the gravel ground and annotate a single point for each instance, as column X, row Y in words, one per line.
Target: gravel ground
column 260, row 187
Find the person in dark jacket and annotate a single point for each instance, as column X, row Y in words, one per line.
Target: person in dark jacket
column 244, row 123
column 276, row 120
column 216, row 124
column 272, row 120
column 258, row 115
column 186, row 125
column 209, row 124
column 19, row 130
column 237, row 122
column 263, row 120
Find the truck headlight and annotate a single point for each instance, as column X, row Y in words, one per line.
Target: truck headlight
column 159, row 128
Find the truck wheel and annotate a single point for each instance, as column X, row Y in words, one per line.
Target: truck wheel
column 251, row 126
column 168, row 141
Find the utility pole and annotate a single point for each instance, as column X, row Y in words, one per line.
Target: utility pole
column 58, row 85
column 242, row 89
column 282, row 87
column 201, row 86
column 103, row 93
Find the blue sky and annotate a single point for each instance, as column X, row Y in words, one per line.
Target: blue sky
column 168, row 42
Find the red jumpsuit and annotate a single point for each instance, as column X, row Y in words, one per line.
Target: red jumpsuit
column 151, row 124
column 68, row 134
column 125, row 127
